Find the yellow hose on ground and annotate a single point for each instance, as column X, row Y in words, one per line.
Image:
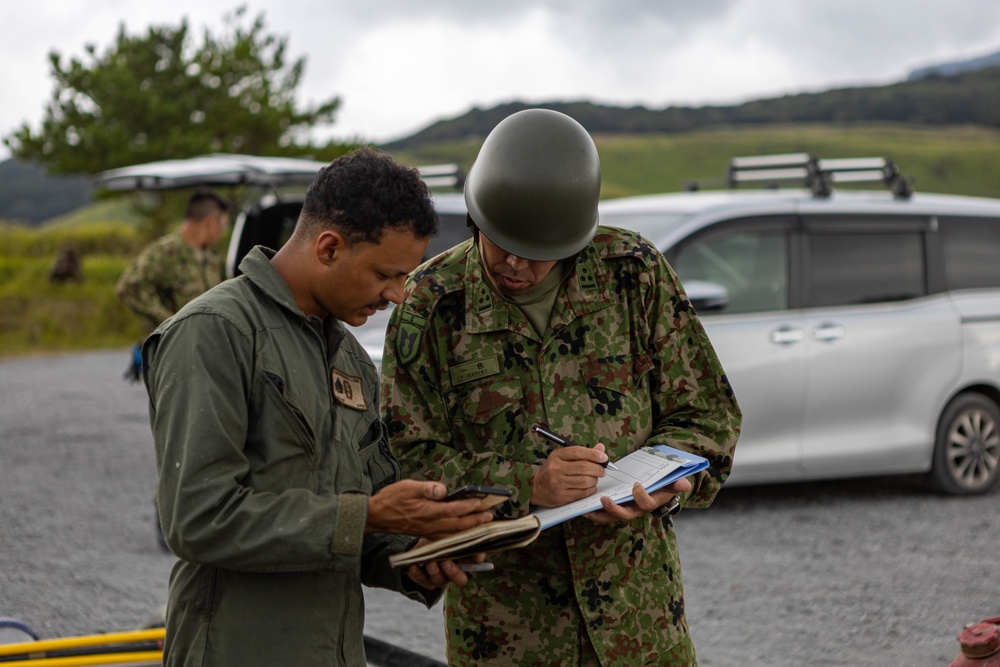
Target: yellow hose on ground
column 142, row 657
column 40, row 647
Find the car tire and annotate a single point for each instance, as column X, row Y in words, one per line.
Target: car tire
column 967, row 447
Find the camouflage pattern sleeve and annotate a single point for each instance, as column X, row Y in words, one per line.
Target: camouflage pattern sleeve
column 166, row 275
column 419, row 425
column 138, row 291
column 694, row 407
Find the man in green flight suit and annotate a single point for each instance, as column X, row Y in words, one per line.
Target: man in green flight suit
column 277, row 490
column 546, row 317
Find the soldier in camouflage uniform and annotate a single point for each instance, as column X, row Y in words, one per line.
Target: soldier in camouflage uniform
column 544, row 317
column 178, row 267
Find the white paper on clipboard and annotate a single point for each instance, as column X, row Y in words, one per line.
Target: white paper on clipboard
column 654, row 467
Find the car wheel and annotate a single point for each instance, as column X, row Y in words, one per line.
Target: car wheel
column 967, row 448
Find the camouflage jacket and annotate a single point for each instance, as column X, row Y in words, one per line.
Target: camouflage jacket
column 167, row 274
column 626, row 362
column 268, row 444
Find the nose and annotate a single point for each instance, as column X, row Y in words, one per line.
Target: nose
column 515, row 262
column 394, row 292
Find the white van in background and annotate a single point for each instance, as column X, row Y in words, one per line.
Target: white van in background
column 860, row 329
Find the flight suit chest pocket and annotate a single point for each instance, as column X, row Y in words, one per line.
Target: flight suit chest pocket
column 487, row 412
column 281, row 442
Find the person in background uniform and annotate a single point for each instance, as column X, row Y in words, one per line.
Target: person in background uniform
column 177, row 267
column 277, row 490
column 545, row 317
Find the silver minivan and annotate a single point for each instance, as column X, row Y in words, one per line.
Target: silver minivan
column 860, row 330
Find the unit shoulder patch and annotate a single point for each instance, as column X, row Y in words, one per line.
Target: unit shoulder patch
column 409, row 336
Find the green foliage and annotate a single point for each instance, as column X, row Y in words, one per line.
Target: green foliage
column 39, row 315
column 97, row 238
column 158, row 95
column 115, row 211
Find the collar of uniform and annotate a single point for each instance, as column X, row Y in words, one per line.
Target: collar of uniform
column 484, row 310
column 587, row 290
column 257, row 267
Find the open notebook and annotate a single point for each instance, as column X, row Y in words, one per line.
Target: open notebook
column 654, row 467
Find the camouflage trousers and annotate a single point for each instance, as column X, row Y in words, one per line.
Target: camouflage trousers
column 681, row 655
column 482, row 631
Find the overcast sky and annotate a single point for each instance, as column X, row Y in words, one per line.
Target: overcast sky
column 399, row 65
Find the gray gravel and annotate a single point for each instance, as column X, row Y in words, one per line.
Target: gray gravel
column 868, row 572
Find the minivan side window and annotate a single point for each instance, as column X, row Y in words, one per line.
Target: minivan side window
column 971, row 252
column 853, row 268
column 751, row 265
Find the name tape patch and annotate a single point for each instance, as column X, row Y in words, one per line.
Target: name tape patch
column 473, row 370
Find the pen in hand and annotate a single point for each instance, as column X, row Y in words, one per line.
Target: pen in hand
column 563, row 442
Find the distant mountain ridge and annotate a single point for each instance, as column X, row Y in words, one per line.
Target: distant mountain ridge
column 956, row 67
column 28, row 194
column 969, row 97
column 959, row 93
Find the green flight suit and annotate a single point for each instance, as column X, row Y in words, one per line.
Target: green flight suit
column 624, row 361
column 268, row 444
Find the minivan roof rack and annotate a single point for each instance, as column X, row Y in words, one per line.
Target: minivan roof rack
column 442, row 176
column 816, row 174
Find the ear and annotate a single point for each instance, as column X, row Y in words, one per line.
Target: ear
column 328, row 243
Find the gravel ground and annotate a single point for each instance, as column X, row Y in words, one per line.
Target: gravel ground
column 865, row 572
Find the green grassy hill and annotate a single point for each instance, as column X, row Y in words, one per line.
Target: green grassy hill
column 955, row 160
column 39, row 316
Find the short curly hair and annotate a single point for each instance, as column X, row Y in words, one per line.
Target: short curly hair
column 363, row 193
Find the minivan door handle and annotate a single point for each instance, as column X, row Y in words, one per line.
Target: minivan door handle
column 829, row 331
column 787, row 335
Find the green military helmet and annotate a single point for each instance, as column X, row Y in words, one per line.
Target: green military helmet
column 533, row 190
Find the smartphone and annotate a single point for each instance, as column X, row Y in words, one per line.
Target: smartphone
column 490, row 495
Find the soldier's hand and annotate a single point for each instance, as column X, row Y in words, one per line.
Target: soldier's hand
column 438, row 574
column 642, row 503
column 568, row 474
column 409, row 507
